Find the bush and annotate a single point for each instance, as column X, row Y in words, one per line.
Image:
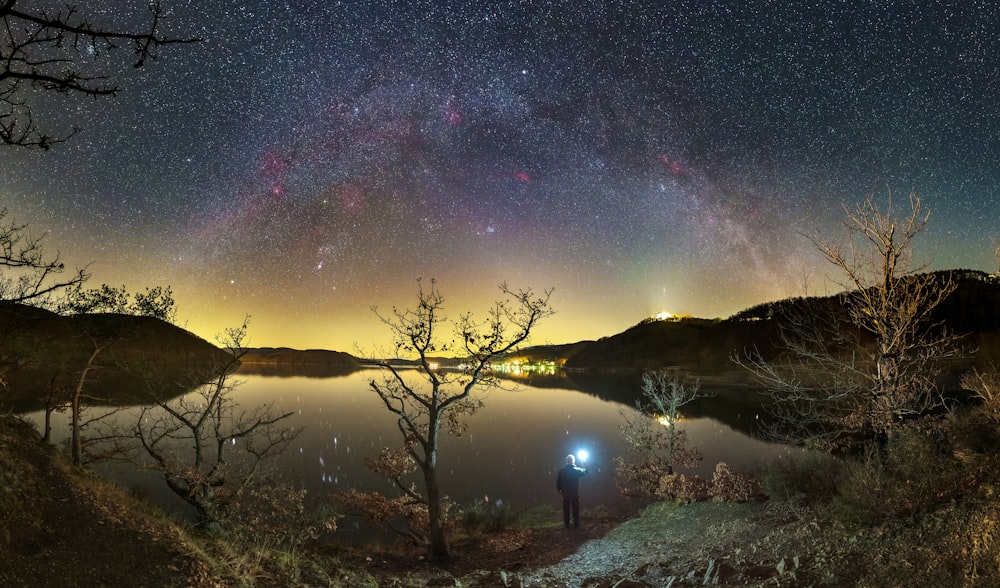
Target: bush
column 637, row 479
column 915, row 472
column 975, row 437
column 726, row 486
column 682, row 488
column 486, row 517
column 812, row 476
column 729, row 486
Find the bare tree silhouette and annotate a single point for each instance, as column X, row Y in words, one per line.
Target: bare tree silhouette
column 62, row 51
column 437, row 398
column 857, row 368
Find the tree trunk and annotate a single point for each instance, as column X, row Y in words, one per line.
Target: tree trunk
column 438, row 547
column 50, row 406
column 197, row 494
column 47, row 432
column 75, row 421
column 76, row 404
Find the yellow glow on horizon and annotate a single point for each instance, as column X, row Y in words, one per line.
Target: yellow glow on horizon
column 346, row 322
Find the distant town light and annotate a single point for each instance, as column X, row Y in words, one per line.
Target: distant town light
column 664, row 316
column 525, row 366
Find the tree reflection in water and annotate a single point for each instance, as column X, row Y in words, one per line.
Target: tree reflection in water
column 512, row 451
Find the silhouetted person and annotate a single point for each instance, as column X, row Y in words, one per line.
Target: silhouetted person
column 568, row 484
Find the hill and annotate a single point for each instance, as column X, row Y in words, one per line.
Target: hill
column 62, row 526
column 43, row 353
column 705, row 347
column 700, row 347
column 283, row 361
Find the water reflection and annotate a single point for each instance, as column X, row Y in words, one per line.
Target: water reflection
column 513, row 448
column 511, row 452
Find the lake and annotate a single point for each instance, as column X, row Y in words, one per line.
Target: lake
column 511, row 452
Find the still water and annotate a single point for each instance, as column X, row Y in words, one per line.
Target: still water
column 511, row 451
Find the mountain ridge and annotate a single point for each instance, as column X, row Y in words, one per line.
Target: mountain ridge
column 43, row 353
column 698, row 347
column 702, row 347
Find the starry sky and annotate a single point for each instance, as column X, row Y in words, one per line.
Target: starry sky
column 311, row 159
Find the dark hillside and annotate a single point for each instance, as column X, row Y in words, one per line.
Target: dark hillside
column 269, row 361
column 974, row 307
column 44, row 353
column 62, row 526
column 704, row 348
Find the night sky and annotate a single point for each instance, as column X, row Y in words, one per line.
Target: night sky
column 313, row 158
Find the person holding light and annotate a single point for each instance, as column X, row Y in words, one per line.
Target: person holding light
column 568, row 484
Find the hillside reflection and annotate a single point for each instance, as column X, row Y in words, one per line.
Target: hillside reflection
column 512, row 451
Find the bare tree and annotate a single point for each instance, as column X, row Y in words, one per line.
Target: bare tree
column 437, row 398
column 60, row 51
column 857, row 365
column 664, row 394
column 655, row 435
column 103, row 332
column 985, row 385
column 27, row 274
column 996, row 253
column 208, row 448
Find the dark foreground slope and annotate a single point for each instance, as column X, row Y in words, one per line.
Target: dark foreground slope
column 778, row 544
column 63, row 527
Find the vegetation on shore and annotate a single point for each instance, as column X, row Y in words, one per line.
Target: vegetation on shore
column 927, row 518
column 903, row 493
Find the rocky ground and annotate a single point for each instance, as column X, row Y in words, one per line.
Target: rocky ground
column 669, row 545
column 755, row 544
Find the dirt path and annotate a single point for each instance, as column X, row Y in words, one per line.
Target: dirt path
column 697, row 544
column 722, row 544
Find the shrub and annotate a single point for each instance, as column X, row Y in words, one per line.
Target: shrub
column 682, row 488
column 404, row 515
column 486, row 517
column 657, row 443
column 811, row 476
column 729, row 486
column 864, row 490
column 975, row 436
column 915, row 472
column 985, row 385
column 638, row 479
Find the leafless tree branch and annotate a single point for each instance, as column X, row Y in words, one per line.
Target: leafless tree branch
column 438, row 399
column 61, row 51
column 858, row 364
